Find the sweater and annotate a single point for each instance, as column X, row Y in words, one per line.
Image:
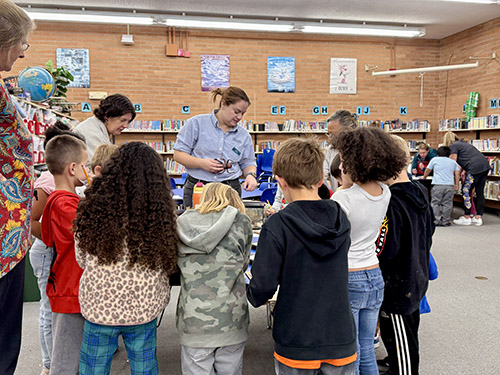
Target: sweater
column 62, row 286
column 303, row 249
column 16, row 193
column 95, row 133
column 213, row 254
column 119, row 294
column 403, row 248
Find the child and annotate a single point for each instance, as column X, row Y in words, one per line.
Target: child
column 444, row 184
column 369, row 157
column 214, row 252
column 101, row 155
column 41, row 255
column 66, row 158
column 403, row 251
column 303, row 249
column 124, row 285
column 336, row 170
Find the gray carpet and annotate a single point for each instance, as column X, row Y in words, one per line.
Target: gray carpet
column 460, row 336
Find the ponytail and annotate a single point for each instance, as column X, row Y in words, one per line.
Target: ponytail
column 230, row 95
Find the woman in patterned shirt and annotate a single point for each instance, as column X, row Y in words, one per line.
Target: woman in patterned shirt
column 16, row 189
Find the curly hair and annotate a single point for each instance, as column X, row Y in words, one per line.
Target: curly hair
column 369, row 154
column 129, row 209
column 115, row 105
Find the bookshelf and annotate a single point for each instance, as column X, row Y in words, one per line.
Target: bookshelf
column 484, row 134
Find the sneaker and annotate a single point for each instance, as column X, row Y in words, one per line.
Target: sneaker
column 462, row 220
column 376, row 340
column 477, row 222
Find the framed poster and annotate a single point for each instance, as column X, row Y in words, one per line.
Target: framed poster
column 77, row 63
column 343, row 76
column 280, row 74
column 214, row 72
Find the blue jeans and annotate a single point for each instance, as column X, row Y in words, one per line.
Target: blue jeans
column 366, row 292
column 41, row 259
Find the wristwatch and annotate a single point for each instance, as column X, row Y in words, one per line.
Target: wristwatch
column 251, row 174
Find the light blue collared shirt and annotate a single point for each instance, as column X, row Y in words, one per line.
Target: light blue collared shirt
column 202, row 137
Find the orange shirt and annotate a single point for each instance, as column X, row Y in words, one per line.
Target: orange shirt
column 315, row 364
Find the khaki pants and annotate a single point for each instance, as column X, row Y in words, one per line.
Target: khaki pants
column 227, row 360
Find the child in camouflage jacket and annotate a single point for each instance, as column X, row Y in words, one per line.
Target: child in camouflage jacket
column 213, row 254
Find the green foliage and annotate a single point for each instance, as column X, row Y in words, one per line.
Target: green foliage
column 62, row 77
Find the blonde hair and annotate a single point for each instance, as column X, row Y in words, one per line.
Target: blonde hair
column 449, row 138
column 101, row 155
column 299, row 161
column 423, row 146
column 15, row 24
column 217, row 196
column 62, row 151
column 403, row 145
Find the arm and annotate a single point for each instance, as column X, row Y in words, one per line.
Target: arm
column 426, row 173
column 414, row 164
column 266, row 269
column 390, row 236
column 38, row 206
column 457, row 178
column 189, row 161
column 250, row 183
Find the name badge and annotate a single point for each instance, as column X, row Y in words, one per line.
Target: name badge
column 236, row 151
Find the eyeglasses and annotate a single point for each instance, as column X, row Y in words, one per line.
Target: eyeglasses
column 25, row 46
column 226, row 165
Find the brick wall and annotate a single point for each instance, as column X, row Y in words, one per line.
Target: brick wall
column 163, row 84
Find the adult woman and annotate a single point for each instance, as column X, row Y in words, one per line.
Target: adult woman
column 341, row 119
column 474, row 163
column 111, row 117
column 16, row 189
column 213, row 148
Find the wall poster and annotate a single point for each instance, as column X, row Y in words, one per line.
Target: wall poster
column 77, row 62
column 280, row 74
column 343, row 76
column 214, row 72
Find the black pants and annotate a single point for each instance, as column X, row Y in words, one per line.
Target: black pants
column 191, row 181
column 400, row 336
column 11, row 317
column 478, row 184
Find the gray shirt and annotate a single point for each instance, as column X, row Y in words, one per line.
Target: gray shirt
column 202, row 137
column 95, row 133
column 470, row 158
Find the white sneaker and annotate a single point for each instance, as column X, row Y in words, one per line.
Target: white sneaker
column 463, row 221
column 477, row 222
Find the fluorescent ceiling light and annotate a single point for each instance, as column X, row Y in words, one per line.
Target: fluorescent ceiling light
column 475, row 1
column 224, row 24
column 405, row 32
column 90, row 17
column 427, row 69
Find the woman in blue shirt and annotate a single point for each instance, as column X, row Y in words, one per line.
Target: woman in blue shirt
column 213, row 148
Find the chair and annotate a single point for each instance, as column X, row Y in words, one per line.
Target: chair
column 268, row 195
column 172, row 183
column 265, row 185
column 266, row 166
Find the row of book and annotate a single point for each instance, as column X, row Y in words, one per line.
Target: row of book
column 460, row 123
column 156, row 125
column 492, row 190
column 495, row 165
column 486, row 144
column 415, row 125
column 173, row 167
column 293, row 125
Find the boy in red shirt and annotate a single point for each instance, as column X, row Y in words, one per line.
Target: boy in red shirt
column 66, row 158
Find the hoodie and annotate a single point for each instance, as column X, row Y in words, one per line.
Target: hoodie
column 65, row 273
column 213, row 254
column 303, row 249
column 403, row 248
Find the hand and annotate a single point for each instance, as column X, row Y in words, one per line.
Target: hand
column 421, row 166
column 270, row 211
column 212, row 166
column 250, row 183
column 462, row 175
column 2, row 178
column 456, row 187
column 414, row 171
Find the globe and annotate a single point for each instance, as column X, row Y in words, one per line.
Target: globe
column 38, row 82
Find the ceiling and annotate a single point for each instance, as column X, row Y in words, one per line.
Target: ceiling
column 440, row 18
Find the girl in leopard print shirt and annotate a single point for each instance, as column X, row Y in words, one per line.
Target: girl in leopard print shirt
column 126, row 245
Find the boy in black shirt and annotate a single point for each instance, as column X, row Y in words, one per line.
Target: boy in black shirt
column 403, row 253
column 303, row 249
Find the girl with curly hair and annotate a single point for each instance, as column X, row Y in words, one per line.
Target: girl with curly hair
column 212, row 313
column 126, row 237
column 369, row 157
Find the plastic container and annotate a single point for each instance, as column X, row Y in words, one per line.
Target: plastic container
column 197, row 190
